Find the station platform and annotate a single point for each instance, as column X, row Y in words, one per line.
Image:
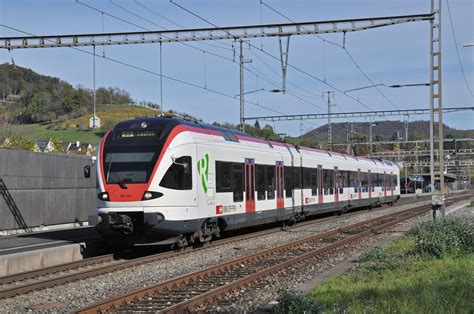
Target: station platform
column 28, row 251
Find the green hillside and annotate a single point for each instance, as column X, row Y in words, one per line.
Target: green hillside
column 77, row 129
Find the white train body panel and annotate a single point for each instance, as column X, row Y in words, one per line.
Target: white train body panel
column 197, row 174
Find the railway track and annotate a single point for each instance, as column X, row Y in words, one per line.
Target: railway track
column 34, row 280
column 26, row 282
column 191, row 291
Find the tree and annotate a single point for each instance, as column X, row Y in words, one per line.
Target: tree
column 257, row 125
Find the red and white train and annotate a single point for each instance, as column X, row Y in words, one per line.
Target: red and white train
column 164, row 180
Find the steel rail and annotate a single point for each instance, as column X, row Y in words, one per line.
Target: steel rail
column 116, row 302
column 248, row 280
column 114, row 265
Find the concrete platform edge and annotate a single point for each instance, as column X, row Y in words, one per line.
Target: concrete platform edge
column 25, row 261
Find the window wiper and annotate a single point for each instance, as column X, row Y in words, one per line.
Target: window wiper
column 108, row 170
column 122, row 184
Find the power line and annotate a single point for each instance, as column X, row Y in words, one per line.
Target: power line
column 209, row 22
column 136, row 25
column 342, row 47
column 141, row 27
column 177, row 24
column 274, row 57
column 204, row 51
column 457, row 49
column 152, row 72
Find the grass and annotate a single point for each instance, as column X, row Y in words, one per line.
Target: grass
column 68, row 131
column 40, row 131
column 421, row 286
column 408, row 276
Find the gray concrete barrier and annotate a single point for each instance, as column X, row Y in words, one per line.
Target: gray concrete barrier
column 39, row 189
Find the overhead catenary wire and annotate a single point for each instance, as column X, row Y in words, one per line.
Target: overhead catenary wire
column 179, row 25
column 343, row 48
column 204, row 51
column 276, row 58
column 457, row 50
column 137, row 25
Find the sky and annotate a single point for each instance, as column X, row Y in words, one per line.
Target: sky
column 390, row 55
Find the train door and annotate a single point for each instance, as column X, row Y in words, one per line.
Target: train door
column 369, row 180
column 359, row 184
column 320, row 184
column 336, row 185
column 249, row 185
column 384, row 184
column 279, row 185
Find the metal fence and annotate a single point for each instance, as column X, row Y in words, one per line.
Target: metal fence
column 44, row 189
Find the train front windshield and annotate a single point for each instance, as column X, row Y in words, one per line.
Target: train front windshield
column 130, row 156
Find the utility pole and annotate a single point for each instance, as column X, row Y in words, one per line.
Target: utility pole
column 242, row 93
column 93, row 70
column 330, row 94
column 161, row 80
column 437, row 200
column 398, row 146
column 406, row 120
column 371, row 149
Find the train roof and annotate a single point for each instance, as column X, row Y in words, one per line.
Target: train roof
column 169, row 122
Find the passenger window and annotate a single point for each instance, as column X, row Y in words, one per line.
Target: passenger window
column 270, row 182
column 314, row 182
column 237, row 182
column 328, row 181
column 297, row 178
column 288, row 182
column 179, row 175
column 307, row 178
column 260, row 182
column 223, row 176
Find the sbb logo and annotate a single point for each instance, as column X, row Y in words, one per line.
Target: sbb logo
column 219, row 210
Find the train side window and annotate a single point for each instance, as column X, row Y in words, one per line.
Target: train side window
column 237, row 182
column 306, row 178
column 340, row 181
column 365, row 181
column 314, row 182
column 297, row 178
column 260, row 182
column 270, row 182
column 352, row 178
column 179, row 175
column 223, row 175
column 344, row 179
column 288, row 182
column 328, row 181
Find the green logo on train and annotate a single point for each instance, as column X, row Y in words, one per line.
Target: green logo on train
column 203, row 171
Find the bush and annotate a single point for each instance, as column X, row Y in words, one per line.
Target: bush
column 292, row 302
column 378, row 259
column 437, row 239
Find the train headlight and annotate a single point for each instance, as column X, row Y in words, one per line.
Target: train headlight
column 104, row 196
column 148, row 195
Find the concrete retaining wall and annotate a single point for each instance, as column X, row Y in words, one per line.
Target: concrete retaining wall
column 46, row 189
